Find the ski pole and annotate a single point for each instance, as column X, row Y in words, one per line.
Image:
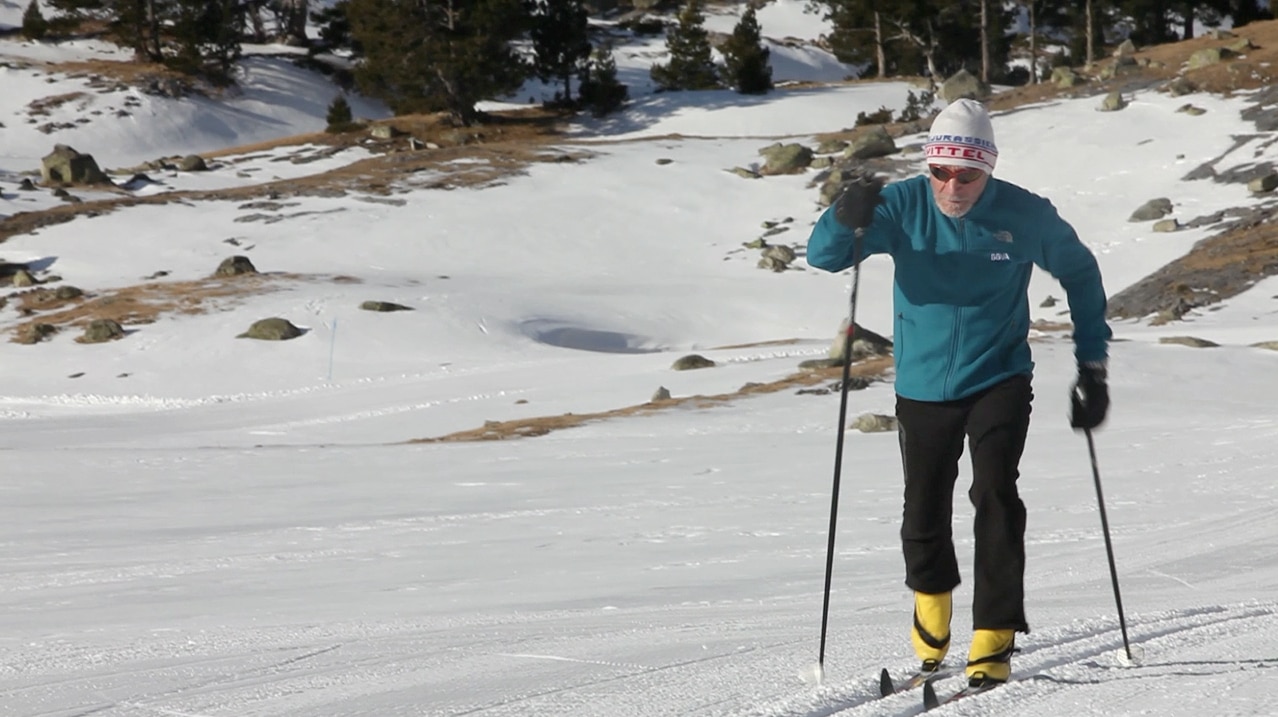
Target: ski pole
column 838, row 445
column 1109, row 545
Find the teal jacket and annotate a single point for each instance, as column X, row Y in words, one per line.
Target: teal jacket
column 960, row 294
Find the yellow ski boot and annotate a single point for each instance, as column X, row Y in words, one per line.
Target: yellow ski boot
column 931, row 631
column 990, row 658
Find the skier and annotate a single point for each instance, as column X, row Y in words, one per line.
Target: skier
column 963, row 244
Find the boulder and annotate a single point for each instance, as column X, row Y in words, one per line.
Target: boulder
column 873, row 423
column 64, row 165
column 870, row 143
column 272, row 329
column 193, row 163
column 691, row 362
column 963, row 84
column 785, row 159
column 235, row 266
column 383, row 306
column 1152, row 210
column 101, row 330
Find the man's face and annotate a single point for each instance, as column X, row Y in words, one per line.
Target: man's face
column 956, row 189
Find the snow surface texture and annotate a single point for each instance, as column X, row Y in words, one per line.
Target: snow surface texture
column 198, row 525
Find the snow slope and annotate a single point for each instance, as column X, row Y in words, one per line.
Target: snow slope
column 192, row 524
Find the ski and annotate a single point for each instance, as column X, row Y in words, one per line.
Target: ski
column 889, row 687
column 931, row 701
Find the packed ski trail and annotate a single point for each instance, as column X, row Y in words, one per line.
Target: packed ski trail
column 656, row 566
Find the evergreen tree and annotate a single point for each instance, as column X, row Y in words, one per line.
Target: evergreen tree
column 1046, row 18
column 438, row 55
column 1087, row 38
column 70, row 14
column 293, row 14
column 136, row 24
column 207, row 37
column 560, row 40
column 1151, row 22
column 74, row 6
column 858, row 32
column 1244, row 12
column 920, row 37
column 691, row 65
column 34, row 26
column 601, row 92
column 335, row 27
column 339, row 116
column 745, row 57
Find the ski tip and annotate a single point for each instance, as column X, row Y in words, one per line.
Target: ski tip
column 930, row 702
column 885, row 683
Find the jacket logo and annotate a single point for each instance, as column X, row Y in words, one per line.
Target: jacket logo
column 1000, row 256
column 1003, row 236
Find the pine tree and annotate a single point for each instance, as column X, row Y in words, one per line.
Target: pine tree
column 34, row 26
column 1245, row 12
column 294, row 14
column 561, row 40
column 920, row 37
column 691, row 65
column 745, row 57
column 339, row 117
column 861, row 32
column 74, row 6
column 207, row 34
column 69, row 15
column 438, row 55
column 601, row 92
column 335, row 27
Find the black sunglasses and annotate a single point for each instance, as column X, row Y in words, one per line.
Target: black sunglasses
column 964, row 175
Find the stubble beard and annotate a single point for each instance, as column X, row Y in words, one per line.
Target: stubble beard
column 953, row 210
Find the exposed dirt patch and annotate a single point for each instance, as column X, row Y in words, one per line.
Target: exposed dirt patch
column 381, row 175
column 1216, row 269
column 1252, row 69
column 540, row 426
column 45, row 105
column 45, row 306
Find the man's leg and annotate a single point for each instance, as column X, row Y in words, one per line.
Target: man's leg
column 931, row 436
column 997, row 425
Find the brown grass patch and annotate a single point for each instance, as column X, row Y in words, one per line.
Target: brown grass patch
column 45, row 105
column 141, row 304
column 126, row 72
column 540, row 426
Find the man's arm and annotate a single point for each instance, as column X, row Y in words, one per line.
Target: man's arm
column 1072, row 264
column 832, row 244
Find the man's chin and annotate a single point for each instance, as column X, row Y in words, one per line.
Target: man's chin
column 952, row 210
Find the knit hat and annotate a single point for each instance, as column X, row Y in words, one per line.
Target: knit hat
column 962, row 135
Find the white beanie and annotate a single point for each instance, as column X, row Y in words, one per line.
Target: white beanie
column 962, row 135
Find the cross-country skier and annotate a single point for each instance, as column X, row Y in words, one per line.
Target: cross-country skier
column 963, row 244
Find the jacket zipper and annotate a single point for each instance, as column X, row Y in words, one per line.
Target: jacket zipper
column 947, row 391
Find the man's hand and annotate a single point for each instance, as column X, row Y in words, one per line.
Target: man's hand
column 1089, row 400
column 855, row 207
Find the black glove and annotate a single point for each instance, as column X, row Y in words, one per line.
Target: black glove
column 855, row 207
column 1089, row 400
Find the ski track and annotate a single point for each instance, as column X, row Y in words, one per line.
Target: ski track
column 1087, row 655
column 394, row 669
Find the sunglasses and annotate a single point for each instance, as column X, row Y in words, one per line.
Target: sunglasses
column 964, row 175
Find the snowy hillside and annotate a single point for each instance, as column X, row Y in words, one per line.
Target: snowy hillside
column 198, row 524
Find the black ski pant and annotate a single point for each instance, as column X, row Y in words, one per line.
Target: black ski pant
column 995, row 422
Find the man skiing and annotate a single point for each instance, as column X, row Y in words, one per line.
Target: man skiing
column 964, row 244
